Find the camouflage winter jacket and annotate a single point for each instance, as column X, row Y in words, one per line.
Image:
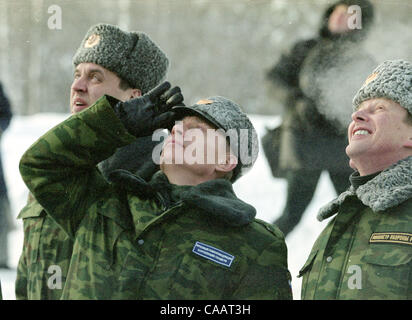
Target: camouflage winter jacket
column 365, row 252
column 45, row 258
column 130, row 241
column 47, row 249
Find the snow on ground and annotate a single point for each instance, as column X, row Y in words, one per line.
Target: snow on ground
column 258, row 188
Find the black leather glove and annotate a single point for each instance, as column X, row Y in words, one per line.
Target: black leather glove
column 142, row 115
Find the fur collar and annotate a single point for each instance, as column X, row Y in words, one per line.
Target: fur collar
column 388, row 189
column 214, row 198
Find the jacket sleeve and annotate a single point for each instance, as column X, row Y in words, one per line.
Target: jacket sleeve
column 286, row 71
column 60, row 167
column 283, row 78
column 21, row 278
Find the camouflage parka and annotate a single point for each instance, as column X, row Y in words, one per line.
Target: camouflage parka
column 134, row 240
column 365, row 251
column 45, row 258
column 47, row 249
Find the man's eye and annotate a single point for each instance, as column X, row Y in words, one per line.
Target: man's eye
column 95, row 77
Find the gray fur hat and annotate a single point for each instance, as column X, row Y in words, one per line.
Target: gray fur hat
column 133, row 56
column 227, row 115
column 392, row 80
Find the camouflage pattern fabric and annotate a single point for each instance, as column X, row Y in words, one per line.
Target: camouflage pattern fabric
column 43, row 264
column 362, row 254
column 127, row 247
column 45, row 258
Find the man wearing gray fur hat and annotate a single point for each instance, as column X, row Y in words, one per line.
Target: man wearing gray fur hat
column 109, row 61
column 365, row 250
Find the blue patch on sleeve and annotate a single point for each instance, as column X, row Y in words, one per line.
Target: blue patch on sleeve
column 213, row 254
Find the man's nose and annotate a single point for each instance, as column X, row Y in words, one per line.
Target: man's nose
column 359, row 115
column 177, row 129
column 79, row 84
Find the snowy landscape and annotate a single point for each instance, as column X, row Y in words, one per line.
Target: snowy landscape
column 258, row 188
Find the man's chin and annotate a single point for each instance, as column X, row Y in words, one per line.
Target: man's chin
column 352, row 164
column 77, row 109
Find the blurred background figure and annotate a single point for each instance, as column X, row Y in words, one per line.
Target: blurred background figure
column 5, row 215
column 316, row 81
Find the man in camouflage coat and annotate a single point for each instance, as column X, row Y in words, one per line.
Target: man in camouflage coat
column 47, row 249
column 365, row 252
column 183, row 235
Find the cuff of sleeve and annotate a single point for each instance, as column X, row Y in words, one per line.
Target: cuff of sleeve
column 101, row 115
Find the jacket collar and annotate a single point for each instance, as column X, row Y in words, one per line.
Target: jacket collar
column 214, row 198
column 218, row 199
column 388, row 189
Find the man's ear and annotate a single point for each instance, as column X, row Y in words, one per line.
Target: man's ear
column 135, row 93
column 228, row 165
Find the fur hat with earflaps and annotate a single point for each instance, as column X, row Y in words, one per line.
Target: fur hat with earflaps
column 392, row 80
column 133, row 56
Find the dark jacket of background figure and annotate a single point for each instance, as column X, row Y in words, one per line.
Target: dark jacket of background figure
column 5, row 216
column 316, row 82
